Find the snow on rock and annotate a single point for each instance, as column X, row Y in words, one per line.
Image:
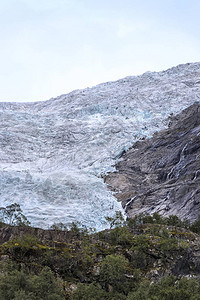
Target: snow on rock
column 53, row 153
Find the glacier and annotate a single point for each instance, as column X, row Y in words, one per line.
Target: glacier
column 54, row 153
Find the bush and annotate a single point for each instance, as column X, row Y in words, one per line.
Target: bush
column 119, row 236
column 141, row 219
column 46, row 286
column 89, row 292
column 17, row 285
column 168, row 288
column 116, row 221
column 112, row 272
column 195, row 227
column 175, row 221
column 11, row 283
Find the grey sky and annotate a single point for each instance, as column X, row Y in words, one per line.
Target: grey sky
column 50, row 47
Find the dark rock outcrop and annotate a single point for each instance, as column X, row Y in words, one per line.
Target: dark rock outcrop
column 162, row 174
column 9, row 233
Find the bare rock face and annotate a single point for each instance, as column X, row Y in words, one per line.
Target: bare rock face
column 162, row 174
column 53, row 154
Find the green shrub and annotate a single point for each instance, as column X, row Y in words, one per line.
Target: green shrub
column 16, row 285
column 119, row 236
column 46, row 286
column 112, row 273
column 89, row 292
column 156, row 218
column 195, row 227
column 116, row 221
column 168, row 288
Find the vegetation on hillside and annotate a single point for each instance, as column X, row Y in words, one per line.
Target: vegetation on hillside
column 147, row 257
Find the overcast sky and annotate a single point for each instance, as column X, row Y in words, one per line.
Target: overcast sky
column 51, row 47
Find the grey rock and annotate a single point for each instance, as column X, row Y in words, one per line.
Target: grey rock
column 162, row 174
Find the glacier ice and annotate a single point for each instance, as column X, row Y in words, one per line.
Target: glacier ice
column 53, row 153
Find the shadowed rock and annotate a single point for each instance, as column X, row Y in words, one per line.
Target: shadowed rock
column 162, row 174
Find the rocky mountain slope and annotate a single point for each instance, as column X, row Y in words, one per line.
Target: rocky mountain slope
column 142, row 258
column 53, row 154
column 162, row 174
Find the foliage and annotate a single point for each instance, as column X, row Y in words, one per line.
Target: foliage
column 119, row 236
column 195, row 227
column 175, row 221
column 116, row 221
column 95, row 292
column 21, row 248
column 113, row 264
column 112, row 273
column 89, row 292
column 12, row 215
column 58, row 226
column 142, row 218
column 78, row 229
column 168, row 288
column 46, row 286
column 140, row 258
column 27, row 240
column 18, row 285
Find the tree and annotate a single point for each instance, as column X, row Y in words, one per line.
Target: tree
column 113, row 271
column 58, row 226
column 116, row 221
column 12, row 215
column 195, row 227
column 46, row 286
column 89, row 292
column 18, row 285
column 168, row 288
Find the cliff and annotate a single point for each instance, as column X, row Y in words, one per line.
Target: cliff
column 162, row 173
